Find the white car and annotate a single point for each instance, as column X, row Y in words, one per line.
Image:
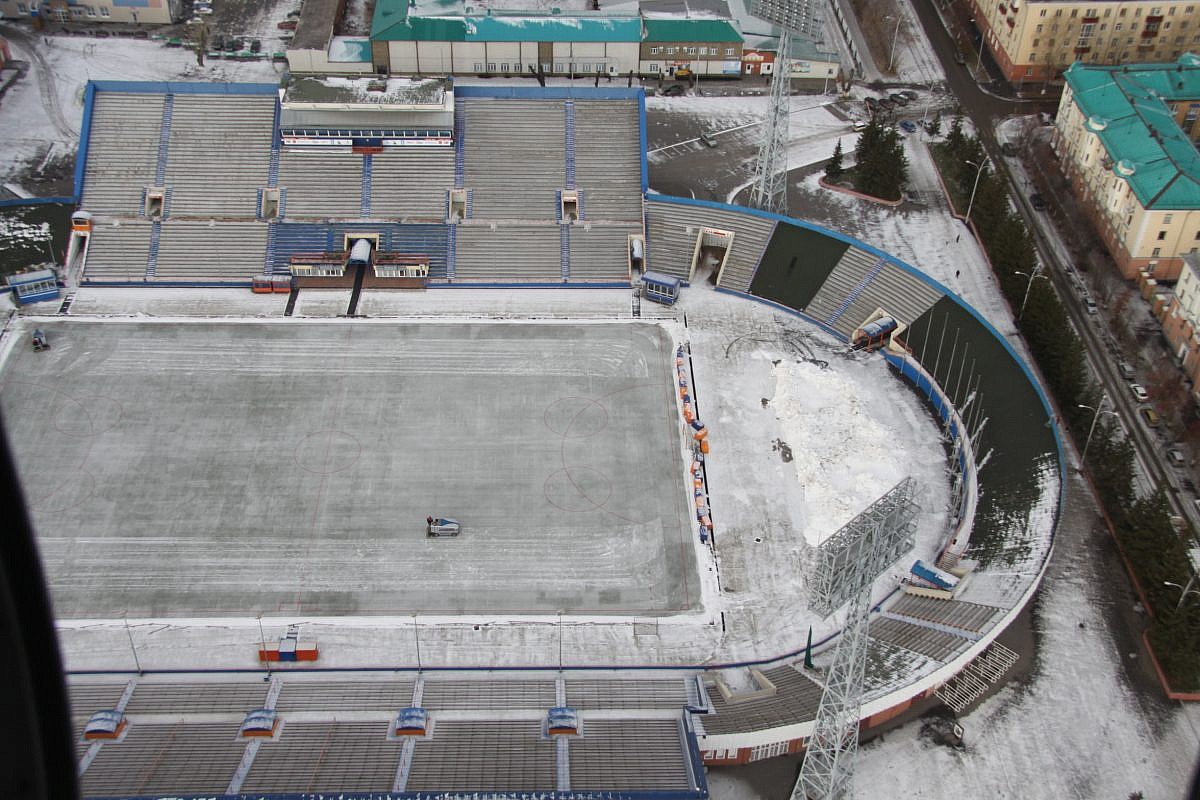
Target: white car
column 1139, row 392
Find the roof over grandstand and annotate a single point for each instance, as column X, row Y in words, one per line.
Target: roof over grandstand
column 335, row 89
column 1127, row 107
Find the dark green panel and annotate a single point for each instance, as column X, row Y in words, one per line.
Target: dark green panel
column 796, row 262
column 1019, row 446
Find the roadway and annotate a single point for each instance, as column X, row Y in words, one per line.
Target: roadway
column 985, row 104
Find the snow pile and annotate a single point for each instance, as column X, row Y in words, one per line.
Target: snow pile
column 13, row 230
column 845, row 455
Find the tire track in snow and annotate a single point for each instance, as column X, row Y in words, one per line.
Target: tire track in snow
column 45, row 80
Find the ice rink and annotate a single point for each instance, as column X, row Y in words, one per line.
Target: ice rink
column 201, row 469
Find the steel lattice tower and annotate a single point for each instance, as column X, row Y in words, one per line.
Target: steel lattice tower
column 770, row 170
column 829, row 758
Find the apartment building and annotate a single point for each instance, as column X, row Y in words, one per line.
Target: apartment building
column 138, row 12
column 1181, row 318
column 1036, row 41
column 1130, row 161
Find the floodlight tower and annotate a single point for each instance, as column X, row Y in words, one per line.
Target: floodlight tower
column 872, row 538
column 770, row 170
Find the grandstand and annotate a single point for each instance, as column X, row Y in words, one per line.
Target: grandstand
column 125, row 133
column 172, row 153
column 412, row 183
column 515, row 157
column 486, row 735
column 319, row 185
column 215, row 171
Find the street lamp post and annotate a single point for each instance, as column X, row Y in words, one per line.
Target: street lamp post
column 1184, row 591
column 895, row 36
column 979, row 49
column 975, row 187
column 1096, row 412
column 1037, row 273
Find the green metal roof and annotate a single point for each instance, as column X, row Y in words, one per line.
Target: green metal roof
column 691, row 30
column 396, row 21
column 1126, row 107
column 388, row 15
column 552, row 28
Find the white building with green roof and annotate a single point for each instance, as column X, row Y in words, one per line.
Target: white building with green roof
column 1126, row 138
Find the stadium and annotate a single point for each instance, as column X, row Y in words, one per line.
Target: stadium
column 430, row 315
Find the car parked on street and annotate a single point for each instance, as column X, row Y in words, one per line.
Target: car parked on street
column 898, row 99
column 910, row 94
column 1037, row 201
column 1150, row 416
column 908, row 126
column 1126, row 370
column 1139, row 392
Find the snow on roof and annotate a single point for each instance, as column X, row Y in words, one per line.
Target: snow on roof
column 372, row 91
column 349, row 49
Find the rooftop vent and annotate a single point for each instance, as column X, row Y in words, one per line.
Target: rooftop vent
column 1097, row 123
column 1125, row 167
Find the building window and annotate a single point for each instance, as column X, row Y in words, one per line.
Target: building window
column 1029, row 70
column 1043, row 13
column 1118, row 26
column 91, row 12
column 1156, row 252
column 558, row 66
column 478, row 67
column 21, row 9
column 670, row 51
column 728, row 51
column 654, row 68
column 1167, row 218
column 504, row 67
column 691, row 51
column 655, row 51
column 1038, row 29
column 491, row 66
column 104, row 12
column 1162, row 235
